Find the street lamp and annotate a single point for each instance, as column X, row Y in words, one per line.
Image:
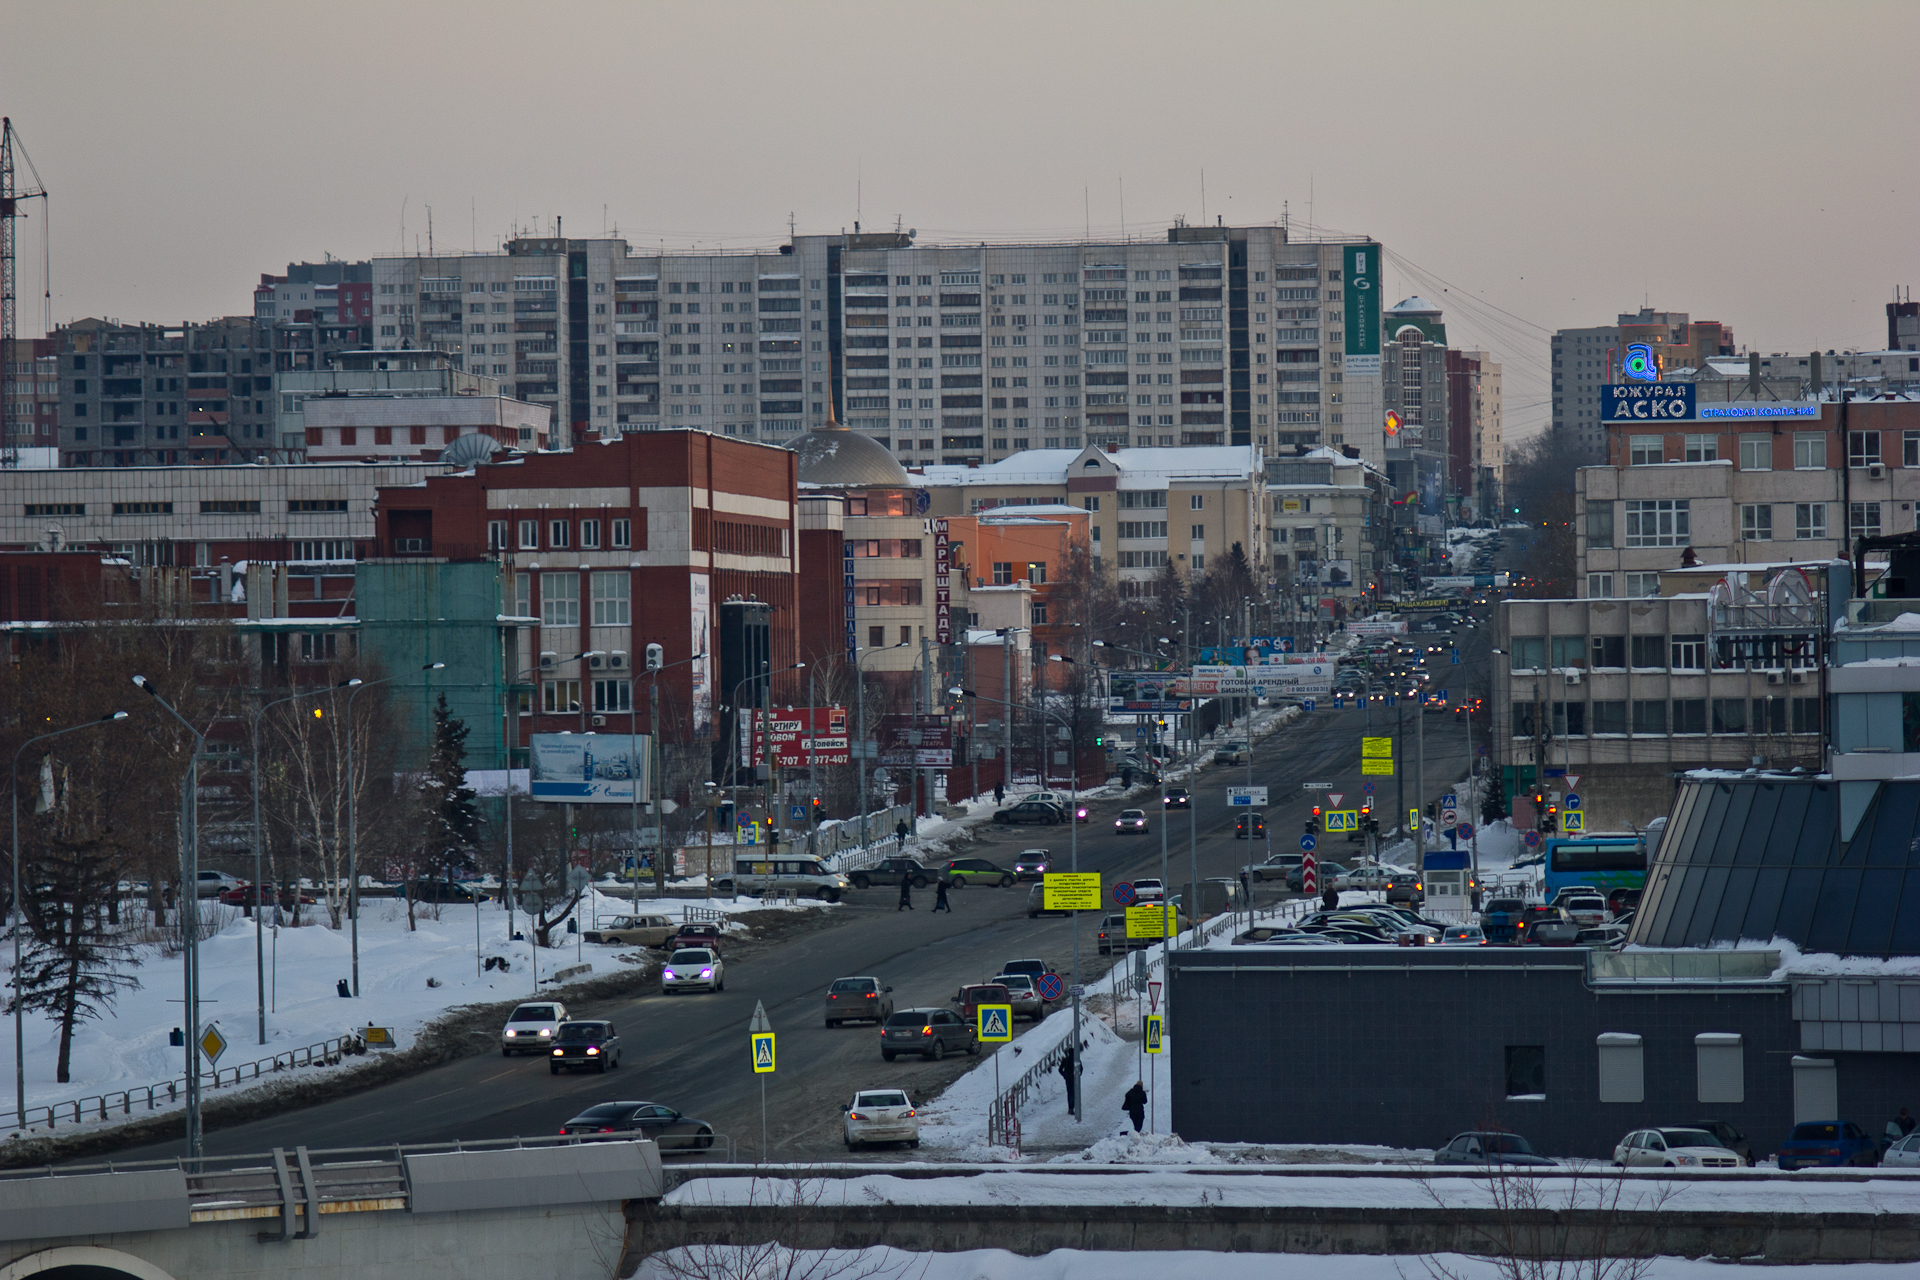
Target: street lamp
column 767, row 675
column 654, row 780
column 357, row 686
column 19, row 1041
column 259, row 942
column 1073, row 838
column 506, row 880
column 860, row 697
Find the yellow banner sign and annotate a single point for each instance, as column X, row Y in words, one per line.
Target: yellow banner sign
column 1072, row 891
column 1149, row 919
column 1372, row 748
column 1377, row 767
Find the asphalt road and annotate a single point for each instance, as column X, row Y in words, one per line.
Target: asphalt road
column 691, row 1051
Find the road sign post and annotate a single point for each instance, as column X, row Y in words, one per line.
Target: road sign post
column 1123, row 893
column 1154, row 1032
column 1071, row 891
column 760, row 1036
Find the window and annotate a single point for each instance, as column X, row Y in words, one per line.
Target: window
column 1688, row 653
column 1769, row 715
column 1039, row 613
column 1863, row 448
column 1638, row 585
column 1756, row 522
column 1609, row 651
column 1645, row 451
column 1689, row 715
column 1609, row 717
column 1198, row 502
column 1910, row 449
column 1197, row 532
column 612, row 605
column 320, row 646
column 1623, row 1076
column 1002, row 573
column 1523, row 720
column 612, row 694
column 1756, row 453
column 496, row 535
column 1703, row 448
column 558, row 533
column 1599, row 585
column 529, row 535
column 1037, row 572
column 1650, row 717
column 1569, row 651
column 876, row 637
column 1527, row 1071
column 1865, row 519
column 521, row 597
column 1809, row 520
column 1529, row 653
column 559, row 600
column 1569, row 719
column 1806, row 715
column 1600, row 527
column 1720, row 1066
column 906, row 635
column 1810, row 452
column 1660, row 522
column 559, row 696
column 590, row 535
column 622, row 533
column 1649, row 651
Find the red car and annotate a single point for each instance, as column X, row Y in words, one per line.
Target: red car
column 695, row 935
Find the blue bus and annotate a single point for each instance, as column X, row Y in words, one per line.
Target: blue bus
column 1603, row 862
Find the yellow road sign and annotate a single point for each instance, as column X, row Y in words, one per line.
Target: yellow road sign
column 1371, row 748
column 1155, row 1024
column 1375, row 766
column 996, row 1023
column 1573, row 820
column 213, row 1044
column 1343, row 819
column 762, row 1053
column 1072, row 891
column 1149, row 919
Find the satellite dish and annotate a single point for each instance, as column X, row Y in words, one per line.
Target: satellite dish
column 53, row 538
column 468, row 451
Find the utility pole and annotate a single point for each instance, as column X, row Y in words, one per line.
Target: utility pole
column 11, row 198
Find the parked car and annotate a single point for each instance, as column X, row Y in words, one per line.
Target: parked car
column 1278, row 867
column 1673, row 1149
column 447, row 891
column 881, row 1115
column 1037, row 904
column 1623, row 899
column 1490, row 1147
column 858, row 1000
column 1029, row 965
column 696, row 935
column 1827, row 1143
column 1326, row 873
column 693, row 969
column 888, row 871
column 765, row 874
column 266, row 895
column 1727, row 1136
column 1032, row 811
column 531, row 1027
column 585, row 1043
column 972, row 996
column 211, row 884
column 1280, row 936
column 1131, row 820
column 634, row 931
column 1233, row 751
column 931, row 1033
column 1147, row 889
column 669, row 1129
column 1250, row 826
column 1904, row 1154
column 1463, row 935
column 1554, row 931
column 1177, row 798
column 965, row 871
column 1023, row 994
column 1605, row 936
column 1031, row 864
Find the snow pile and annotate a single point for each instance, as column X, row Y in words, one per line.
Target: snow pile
column 1141, row 1148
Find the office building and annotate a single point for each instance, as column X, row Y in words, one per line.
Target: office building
column 1584, row 360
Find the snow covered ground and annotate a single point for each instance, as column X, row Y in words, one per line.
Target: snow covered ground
column 128, row 1047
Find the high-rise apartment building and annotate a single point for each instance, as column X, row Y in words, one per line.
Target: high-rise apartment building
column 147, row 395
column 33, row 393
column 956, row 354
column 315, row 311
column 1584, row 360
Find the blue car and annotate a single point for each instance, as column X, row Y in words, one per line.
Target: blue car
column 1828, row 1143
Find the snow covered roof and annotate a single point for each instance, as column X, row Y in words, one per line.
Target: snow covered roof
column 1414, row 306
column 1133, row 468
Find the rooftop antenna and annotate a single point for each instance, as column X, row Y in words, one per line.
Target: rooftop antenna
column 1123, row 206
column 1203, row 197
column 403, row 225
column 429, row 231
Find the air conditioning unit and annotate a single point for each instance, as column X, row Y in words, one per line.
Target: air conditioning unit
column 1573, row 677
column 617, row 660
column 549, row 660
column 599, row 722
column 1776, row 677
column 597, row 661
column 1799, row 677
column 1876, row 472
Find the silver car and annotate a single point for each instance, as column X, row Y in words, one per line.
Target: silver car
column 1023, row 995
column 532, row 1027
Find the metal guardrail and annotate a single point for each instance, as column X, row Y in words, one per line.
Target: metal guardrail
column 103, row 1106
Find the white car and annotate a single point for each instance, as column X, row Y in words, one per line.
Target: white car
column 881, row 1115
column 532, row 1027
column 1673, row 1149
column 211, row 884
column 693, row 969
column 1904, row 1154
column 1589, row 911
column 1149, row 891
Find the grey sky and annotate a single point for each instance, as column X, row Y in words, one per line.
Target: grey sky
column 1746, row 162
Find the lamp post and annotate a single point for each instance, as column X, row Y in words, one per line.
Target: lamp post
column 259, row 940
column 506, row 879
column 359, row 686
column 1073, row 836
column 654, row 774
column 19, row 1042
column 189, row 911
column 860, row 697
column 766, row 674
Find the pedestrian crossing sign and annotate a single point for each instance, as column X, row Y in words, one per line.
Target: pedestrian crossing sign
column 763, row 1053
column 996, row 1023
column 1572, row 820
column 1155, row 1025
column 1343, row 819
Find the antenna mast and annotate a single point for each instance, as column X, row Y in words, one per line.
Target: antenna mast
column 11, row 197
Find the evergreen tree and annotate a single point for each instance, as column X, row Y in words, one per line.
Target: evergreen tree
column 453, row 819
column 74, row 962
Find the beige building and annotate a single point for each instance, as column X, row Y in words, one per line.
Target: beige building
column 1323, row 514
column 416, row 428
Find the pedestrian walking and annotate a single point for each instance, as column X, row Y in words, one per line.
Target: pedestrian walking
column 906, row 893
column 1135, row 1104
column 999, row 793
column 940, row 902
column 900, row 832
column 1070, row 1072
column 1126, row 777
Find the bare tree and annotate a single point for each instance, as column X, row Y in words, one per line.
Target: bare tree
column 745, row 1247
column 1573, row 1223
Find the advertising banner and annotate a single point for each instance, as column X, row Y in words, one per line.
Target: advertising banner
column 701, row 668
column 792, row 738
column 942, row 590
column 1147, row 691
column 1648, row 402
column 582, row 768
column 1212, row 681
column 1336, row 573
column 1301, row 679
column 916, row 741
column 1361, row 270
column 1377, row 628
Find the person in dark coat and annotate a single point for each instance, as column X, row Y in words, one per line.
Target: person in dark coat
column 999, row 793
column 1905, row 1121
column 900, row 832
column 1135, row 1104
column 1070, row 1072
column 940, row 902
column 906, row 893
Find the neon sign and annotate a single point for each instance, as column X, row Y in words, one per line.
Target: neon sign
column 1640, row 364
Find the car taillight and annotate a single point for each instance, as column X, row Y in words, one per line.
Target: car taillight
column 912, row 1112
column 873, row 995
column 605, row 1129
column 926, row 1031
column 855, row 1115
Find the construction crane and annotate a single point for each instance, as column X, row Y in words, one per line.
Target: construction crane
column 11, row 198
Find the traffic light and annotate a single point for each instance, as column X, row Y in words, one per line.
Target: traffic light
column 1552, row 819
column 1099, row 740
column 1433, row 810
column 819, row 811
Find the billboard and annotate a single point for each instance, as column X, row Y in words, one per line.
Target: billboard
column 589, row 768
column 1209, row 681
column 1299, row 679
column 1361, row 273
column 1336, row 573
column 792, row 737
column 1647, row 402
column 1147, row 691
column 701, row 667
column 942, row 584
column 916, row 741
column 1377, row 628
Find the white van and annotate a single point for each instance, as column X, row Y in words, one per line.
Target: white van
column 801, row 876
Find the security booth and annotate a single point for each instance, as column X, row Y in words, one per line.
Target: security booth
column 1449, row 886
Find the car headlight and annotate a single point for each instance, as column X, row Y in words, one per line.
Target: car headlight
column 1686, row 1160
column 559, row 1053
column 512, row 1034
column 667, row 974
column 591, row 1051
column 544, row 1033
column 706, row 973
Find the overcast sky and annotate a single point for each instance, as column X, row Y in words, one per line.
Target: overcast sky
column 1528, row 166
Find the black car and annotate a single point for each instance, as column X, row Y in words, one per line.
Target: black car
column 1177, row 798
column 1250, row 826
column 889, row 871
column 931, row 1033
column 585, row 1044
column 1040, row 811
column 667, row 1127
column 442, row 891
column 1484, row 1147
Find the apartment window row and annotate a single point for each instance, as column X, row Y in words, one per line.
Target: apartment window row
column 1661, row 718
column 560, row 534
